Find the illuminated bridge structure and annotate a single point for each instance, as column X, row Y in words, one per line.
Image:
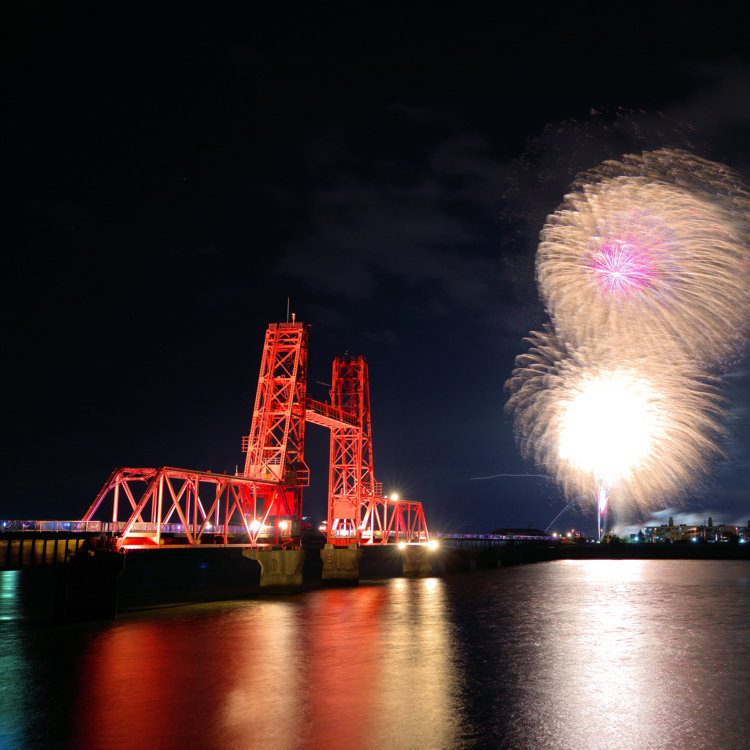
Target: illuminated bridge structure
column 260, row 508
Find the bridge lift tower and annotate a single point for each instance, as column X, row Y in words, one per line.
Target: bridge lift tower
column 262, row 506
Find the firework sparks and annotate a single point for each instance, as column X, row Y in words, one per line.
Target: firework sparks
column 652, row 247
column 620, row 268
column 645, row 274
column 644, row 430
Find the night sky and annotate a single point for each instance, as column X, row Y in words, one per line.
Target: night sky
column 173, row 177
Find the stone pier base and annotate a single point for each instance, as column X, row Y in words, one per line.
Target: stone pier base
column 340, row 564
column 87, row 585
column 416, row 562
column 280, row 569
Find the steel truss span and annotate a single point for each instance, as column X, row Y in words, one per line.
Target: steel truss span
column 151, row 507
column 146, row 508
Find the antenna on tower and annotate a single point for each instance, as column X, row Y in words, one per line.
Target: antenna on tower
column 287, row 309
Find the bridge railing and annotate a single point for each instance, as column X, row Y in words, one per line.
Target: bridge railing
column 105, row 527
column 482, row 541
column 60, row 526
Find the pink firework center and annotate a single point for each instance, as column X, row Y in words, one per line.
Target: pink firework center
column 621, row 267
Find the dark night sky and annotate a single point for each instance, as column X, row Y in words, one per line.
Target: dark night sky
column 173, row 176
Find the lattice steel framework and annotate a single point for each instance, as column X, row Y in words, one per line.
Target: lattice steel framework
column 263, row 505
column 390, row 521
column 351, row 480
column 179, row 507
column 276, row 443
column 275, row 446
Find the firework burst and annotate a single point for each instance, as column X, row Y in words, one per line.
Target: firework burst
column 646, row 431
column 644, row 271
column 652, row 248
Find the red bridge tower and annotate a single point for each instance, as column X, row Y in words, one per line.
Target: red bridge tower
column 262, row 506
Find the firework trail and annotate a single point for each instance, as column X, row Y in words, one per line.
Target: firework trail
column 569, row 505
column 647, row 430
column 651, row 249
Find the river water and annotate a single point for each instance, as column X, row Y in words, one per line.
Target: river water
column 568, row 654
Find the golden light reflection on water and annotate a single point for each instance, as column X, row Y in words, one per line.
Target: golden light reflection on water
column 607, row 685
column 611, row 571
column 611, row 634
column 419, row 649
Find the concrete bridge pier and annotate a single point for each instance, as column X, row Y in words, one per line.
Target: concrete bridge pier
column 340, row 564
column 416, row 561
column 280, row 569
column 87, row 585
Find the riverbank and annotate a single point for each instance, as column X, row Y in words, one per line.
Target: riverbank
column 516, row 554
column 166, row 577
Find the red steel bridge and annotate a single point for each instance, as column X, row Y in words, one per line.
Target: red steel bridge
column 261, row 507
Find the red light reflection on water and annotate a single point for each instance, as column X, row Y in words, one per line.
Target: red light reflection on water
column 361, row 667
column 124, row 696
column 342, row 660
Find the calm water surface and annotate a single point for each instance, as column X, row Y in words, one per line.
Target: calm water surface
column 596, row 654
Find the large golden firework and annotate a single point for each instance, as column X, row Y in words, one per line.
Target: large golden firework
column 645, row 428
column 651, row 251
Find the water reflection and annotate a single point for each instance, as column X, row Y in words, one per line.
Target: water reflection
column 362, row 667
column 13, row 665
column 626, row 654
column 614, row 684
column 262, row 683
column 341, row 655
column 418, row 668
